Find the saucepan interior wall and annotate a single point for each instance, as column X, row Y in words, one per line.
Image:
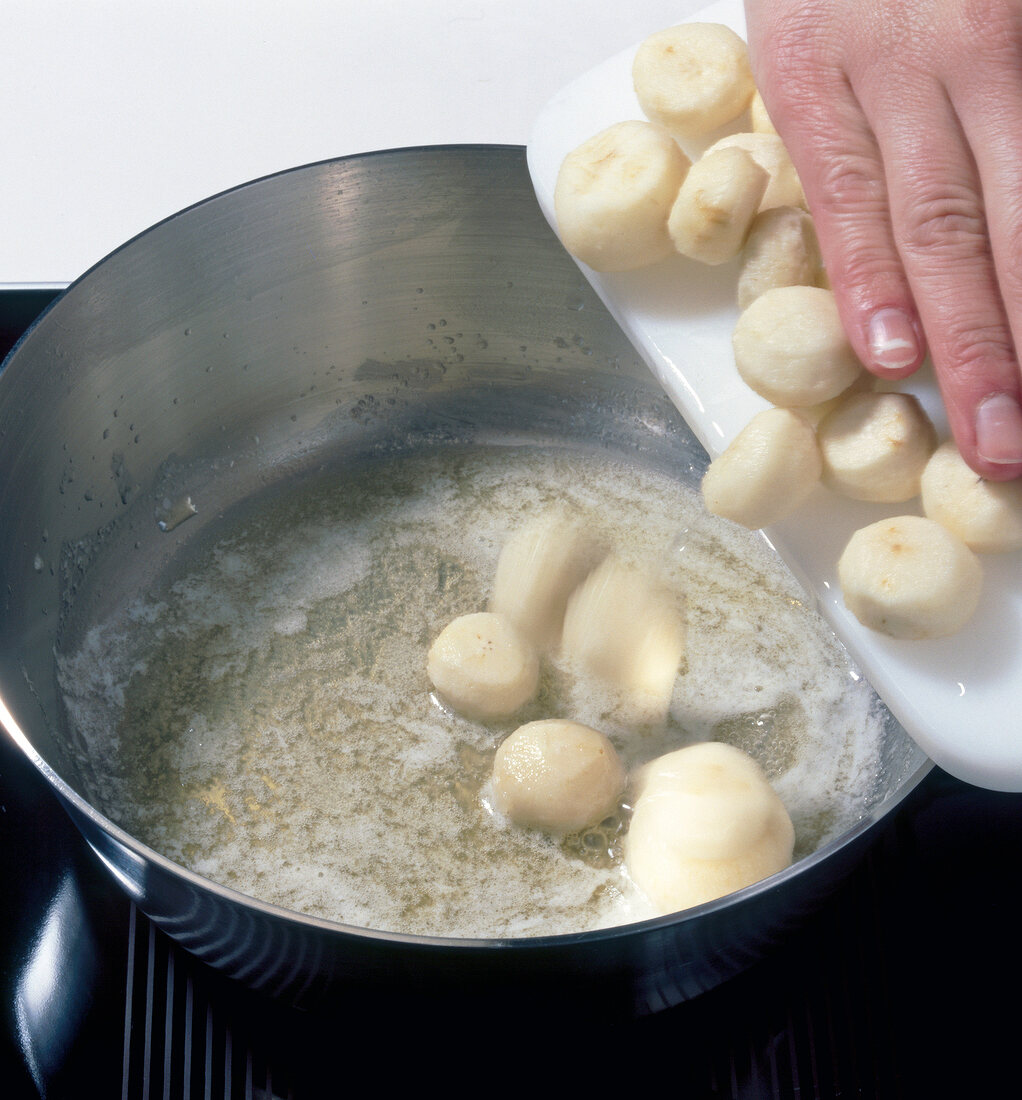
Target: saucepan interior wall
column 322, row 310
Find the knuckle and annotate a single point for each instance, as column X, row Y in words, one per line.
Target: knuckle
column 852, row 184
column 872, row 270
column 945, row 224
column 970, row 347
column 852, row 203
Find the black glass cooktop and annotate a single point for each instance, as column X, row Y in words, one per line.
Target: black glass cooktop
column 905, row 984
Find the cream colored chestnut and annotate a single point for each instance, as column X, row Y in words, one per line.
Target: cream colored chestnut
column 759, row 118
column 771, row 154
column 483, row 667
column 706, row 822
column 768, row 470
column 909, row 577
column 780, row 250
column 628, row 632
column 540, row 565
column 693, row 78
column 791, row 349
column 613, row 195
column 985, row 515
column 865, row 383
column 875, row 446
column 711, row 216
column 557, row 775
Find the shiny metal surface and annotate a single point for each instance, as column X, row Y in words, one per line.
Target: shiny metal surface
column 359, row 306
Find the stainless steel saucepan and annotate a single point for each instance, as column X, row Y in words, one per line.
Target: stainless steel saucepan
column 293, row 311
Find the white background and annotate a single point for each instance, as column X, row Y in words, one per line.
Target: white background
column 117, row 113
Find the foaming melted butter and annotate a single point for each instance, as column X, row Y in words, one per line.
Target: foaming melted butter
column 274, row 728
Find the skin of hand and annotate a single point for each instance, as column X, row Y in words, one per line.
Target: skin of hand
column 903, row 119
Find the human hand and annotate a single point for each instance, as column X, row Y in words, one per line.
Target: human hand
column 904, row 120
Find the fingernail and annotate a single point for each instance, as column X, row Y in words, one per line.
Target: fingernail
column 999, row 429
column 893, row 341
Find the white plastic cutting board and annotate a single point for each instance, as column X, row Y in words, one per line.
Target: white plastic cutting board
column 960, row 698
